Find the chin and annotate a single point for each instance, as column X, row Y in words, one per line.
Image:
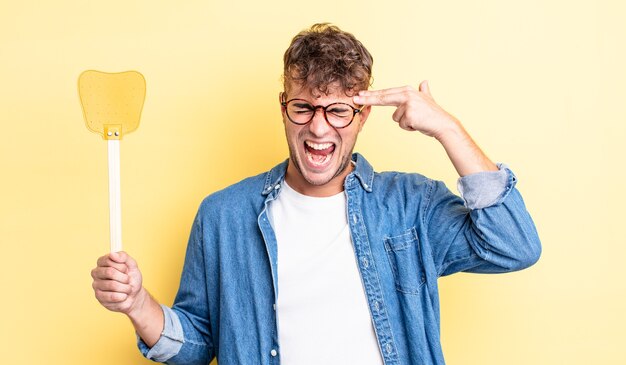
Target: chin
column 318, row 180
column 325, row 177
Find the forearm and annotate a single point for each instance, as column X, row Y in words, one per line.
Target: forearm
column 464, row 153
column 147, row 318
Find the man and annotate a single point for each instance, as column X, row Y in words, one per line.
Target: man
column 321, row 260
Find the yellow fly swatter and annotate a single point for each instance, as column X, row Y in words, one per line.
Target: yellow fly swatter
column 112, row 104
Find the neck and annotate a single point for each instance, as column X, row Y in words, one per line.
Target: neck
column 297, row 182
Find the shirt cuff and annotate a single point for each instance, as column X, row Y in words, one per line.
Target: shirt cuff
column 169, row 343
column 485, row 189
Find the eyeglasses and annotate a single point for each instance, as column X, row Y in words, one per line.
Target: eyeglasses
column 338, row 115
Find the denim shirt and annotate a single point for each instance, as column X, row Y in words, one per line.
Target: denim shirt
column 407, row 230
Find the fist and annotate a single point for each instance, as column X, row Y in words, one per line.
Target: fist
column 117, row 282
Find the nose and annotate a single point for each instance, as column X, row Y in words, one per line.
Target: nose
column 318, row 125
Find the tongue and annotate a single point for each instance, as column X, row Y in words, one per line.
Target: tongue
column 318, row 159
column 323, row 152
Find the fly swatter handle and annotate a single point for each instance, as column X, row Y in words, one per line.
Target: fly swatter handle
column 115, row 200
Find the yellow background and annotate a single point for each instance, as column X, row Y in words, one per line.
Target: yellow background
column 539, row 84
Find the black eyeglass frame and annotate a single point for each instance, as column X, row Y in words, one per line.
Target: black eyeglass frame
column 355, row 111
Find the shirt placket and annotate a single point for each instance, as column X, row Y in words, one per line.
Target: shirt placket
column 369, row 273
column 270, row 243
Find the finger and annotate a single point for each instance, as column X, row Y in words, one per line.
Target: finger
column 106, row 297
column 109, row 273
column 391, row 90
column 425, row 88
column 123, row 257
column 130, row 262
column 119, row 257
column 111, row 286
column 389, row 99
column 105, row 261
column 398, row 114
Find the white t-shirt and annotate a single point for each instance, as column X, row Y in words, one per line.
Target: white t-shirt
column 322, row 310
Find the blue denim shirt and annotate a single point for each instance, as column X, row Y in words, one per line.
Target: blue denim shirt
column 407, row 230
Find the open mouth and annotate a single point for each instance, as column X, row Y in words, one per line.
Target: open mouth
column 319, row 154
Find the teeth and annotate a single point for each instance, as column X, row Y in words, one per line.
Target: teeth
column 318, row 146
column 317, row 159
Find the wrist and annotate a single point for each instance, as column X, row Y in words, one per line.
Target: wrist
column 451, row 130
column 138, row 308
column 147, row 317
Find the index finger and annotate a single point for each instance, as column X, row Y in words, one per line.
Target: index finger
column 391, row 90
column 381, row 98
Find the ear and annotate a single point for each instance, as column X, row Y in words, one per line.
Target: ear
column 280, row 101
column 363, row 115
column 283, row 110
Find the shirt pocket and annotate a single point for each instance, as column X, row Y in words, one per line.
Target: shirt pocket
column 403, row 252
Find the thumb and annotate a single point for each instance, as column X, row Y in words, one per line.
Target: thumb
column 119, row 257
column 123, row 257
column 131, row 263
column 425, row 88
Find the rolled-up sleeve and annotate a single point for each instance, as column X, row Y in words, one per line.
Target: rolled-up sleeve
column 170, row 342
column 484, row 189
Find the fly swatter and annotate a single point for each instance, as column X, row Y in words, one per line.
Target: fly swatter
column 112, row 104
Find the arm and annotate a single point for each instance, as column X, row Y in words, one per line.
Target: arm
column 117, row 283
column 178, row 335
column 490, row 231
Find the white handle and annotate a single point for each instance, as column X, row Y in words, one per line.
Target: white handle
column 115, row 199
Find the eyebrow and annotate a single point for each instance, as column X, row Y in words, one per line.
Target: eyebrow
column 306, row 103
column 339, row 105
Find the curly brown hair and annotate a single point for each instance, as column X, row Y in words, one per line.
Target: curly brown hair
column 323, row 55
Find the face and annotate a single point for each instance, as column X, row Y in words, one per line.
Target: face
column 319, row 154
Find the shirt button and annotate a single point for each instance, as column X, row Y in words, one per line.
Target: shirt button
column 388, row 348
column 273, row 352
column 274, row 306
column 277, row 187
column 376, row 306
column 365, row 262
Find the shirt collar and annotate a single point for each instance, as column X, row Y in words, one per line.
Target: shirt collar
column 363, row 171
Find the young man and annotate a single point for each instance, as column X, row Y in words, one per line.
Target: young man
column 322, row 260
